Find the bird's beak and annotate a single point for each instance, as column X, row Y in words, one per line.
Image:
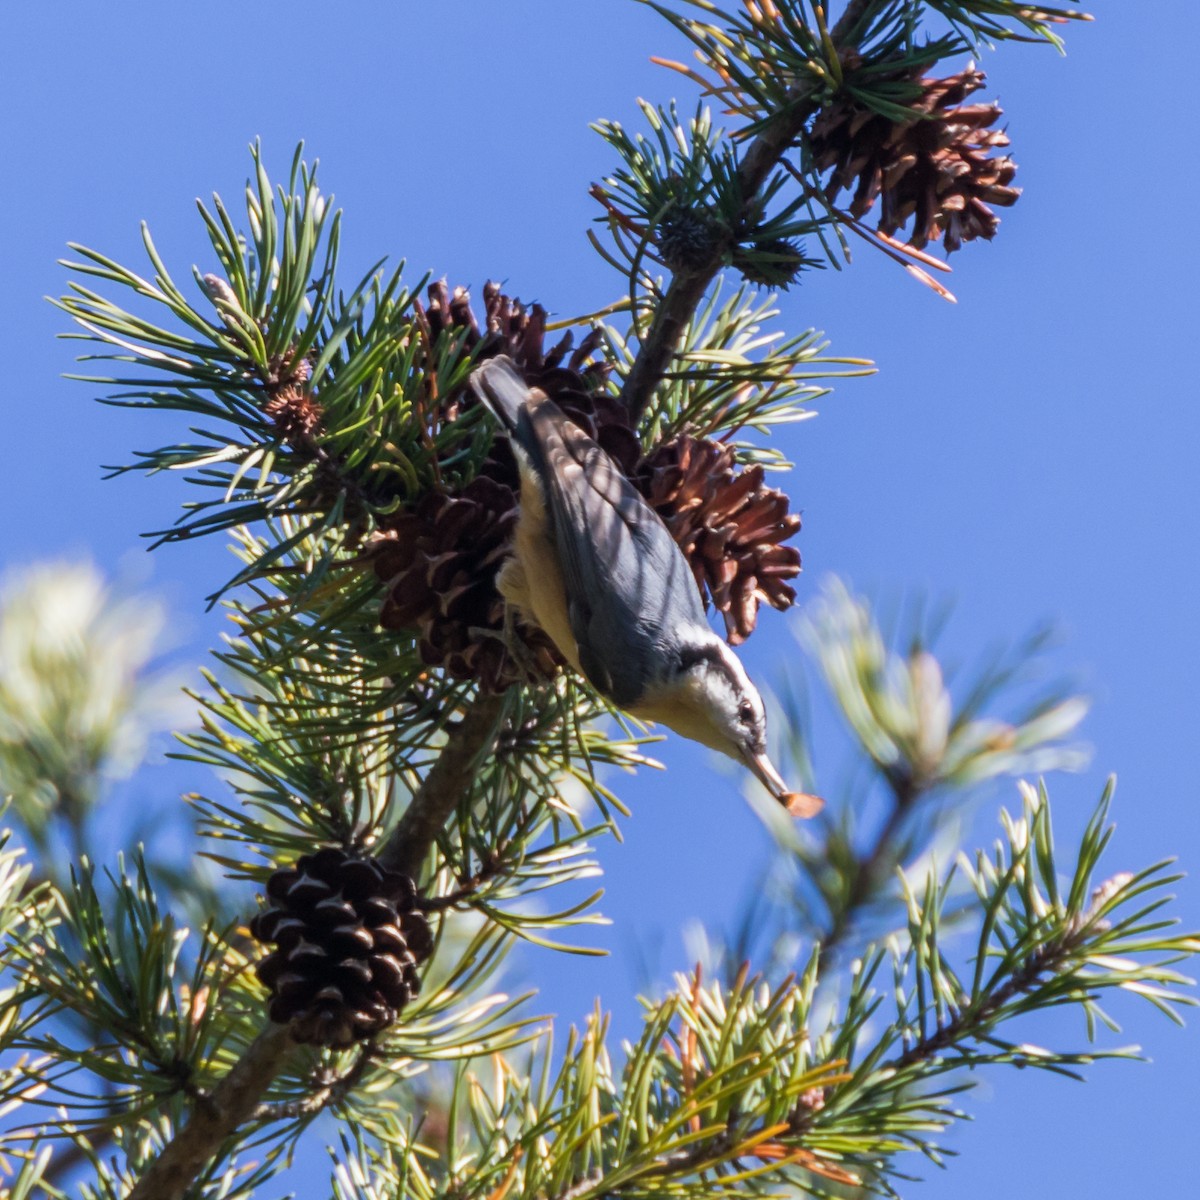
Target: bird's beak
column 799, row 804
column 764, row 769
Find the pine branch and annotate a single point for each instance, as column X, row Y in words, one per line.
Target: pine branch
column 237, row 1097
column 329, row 1088
column 468, row 885
column 970, row 1025
column 930, row 731
column 874, row 869
column 687, row 287
column 974, row 1021
column 739, row 1083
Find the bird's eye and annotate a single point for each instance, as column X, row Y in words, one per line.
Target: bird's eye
column 746, row 712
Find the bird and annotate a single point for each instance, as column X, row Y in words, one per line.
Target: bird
column 595, row 568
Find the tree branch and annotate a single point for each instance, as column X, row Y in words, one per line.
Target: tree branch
column 237, row 1097
column 687, row 288
column 215, row 1118
column 873, row 870
column 970, row 1023
column 328, row 1089
column 972, row 1020
column 492, row 865
column 438, row 796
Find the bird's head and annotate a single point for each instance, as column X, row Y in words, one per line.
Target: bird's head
column 712, row 700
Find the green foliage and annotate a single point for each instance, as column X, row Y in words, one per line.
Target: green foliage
column 748, row 1086
column 928, row 741
column 81, row 693
column 171, row 1012
column 120, row 963
column 774, row 55
column 323, row 742
column 678, row 201
column 980, row 21
column 680, row 169
column 695, row 199
column 735, row 372
column 279, row 329
column 901, row 711
column 141, row 1144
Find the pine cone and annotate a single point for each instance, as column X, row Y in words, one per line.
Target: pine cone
column 517, row 330
column 728, row 525
column 568, row 374
column 348, row 940
column 295, row 412
column 439, row 562
column 773, row 263
column 933, row 168
column 687, row 236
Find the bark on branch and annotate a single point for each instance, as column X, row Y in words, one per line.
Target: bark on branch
column 215, row 1118
column 471, row 740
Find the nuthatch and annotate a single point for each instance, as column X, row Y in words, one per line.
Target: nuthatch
column 594, row 567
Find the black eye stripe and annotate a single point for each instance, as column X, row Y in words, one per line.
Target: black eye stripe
column 690, row 656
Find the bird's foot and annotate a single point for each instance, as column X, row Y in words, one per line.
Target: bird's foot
column 522, row 658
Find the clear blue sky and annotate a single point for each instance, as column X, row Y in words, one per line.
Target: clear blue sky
column 1030, row 451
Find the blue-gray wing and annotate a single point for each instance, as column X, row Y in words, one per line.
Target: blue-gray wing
column 502, row 388
column 629, row 588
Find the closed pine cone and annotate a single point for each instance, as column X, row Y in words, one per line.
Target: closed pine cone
column 348, row 939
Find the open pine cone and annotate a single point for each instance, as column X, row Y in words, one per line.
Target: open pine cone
column 439, row 562
column 519, row 331
column 729, row 526
column 936, row 168
column 347, row 940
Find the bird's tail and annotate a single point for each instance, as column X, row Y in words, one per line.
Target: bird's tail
column 500, row 387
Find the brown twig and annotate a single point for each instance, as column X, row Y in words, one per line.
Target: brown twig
column 699, row 1155
column 1045, row 959
column 468, row 885
column 328, row 1089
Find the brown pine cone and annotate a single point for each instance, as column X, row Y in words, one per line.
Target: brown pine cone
column 517, row 330
column 348, row 939
column 294, row 412
column 728, row 525
column 570, row 375
column 935, row 168
column 439, row 563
